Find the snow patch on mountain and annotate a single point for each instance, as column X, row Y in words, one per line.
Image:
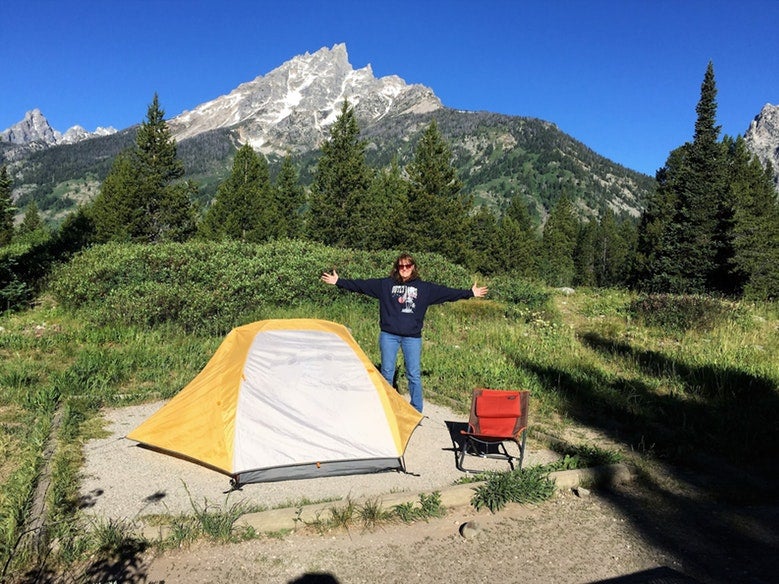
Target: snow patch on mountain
column 291, row 107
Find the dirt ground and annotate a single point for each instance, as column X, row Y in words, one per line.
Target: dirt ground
column 663, row 527
column 567, row 540
column 636, row 534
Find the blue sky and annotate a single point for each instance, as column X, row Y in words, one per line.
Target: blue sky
column 621, row 76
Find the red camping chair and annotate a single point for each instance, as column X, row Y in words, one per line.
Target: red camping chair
column 497, row 416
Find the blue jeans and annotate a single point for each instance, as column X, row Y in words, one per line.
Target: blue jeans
column 389, row 345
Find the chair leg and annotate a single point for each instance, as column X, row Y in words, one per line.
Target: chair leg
column 501, row 446
column 521, row 445
column 476, row 447
column 461, row 454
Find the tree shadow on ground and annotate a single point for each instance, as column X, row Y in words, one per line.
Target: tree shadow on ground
column 124, row 564
column 315, row 578
column 717, row 439
column 662, row 575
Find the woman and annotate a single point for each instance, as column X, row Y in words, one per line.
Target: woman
column 403, row 301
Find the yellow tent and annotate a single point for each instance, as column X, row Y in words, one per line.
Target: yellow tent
column 284, row 399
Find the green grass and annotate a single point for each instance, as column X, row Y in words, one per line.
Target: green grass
column 526, row 485
column 370, row 514
column 667, row 385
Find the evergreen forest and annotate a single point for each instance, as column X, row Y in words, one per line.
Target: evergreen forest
column 710, row 226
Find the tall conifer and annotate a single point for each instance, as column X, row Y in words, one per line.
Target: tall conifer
column 679, row 242
column 584, row 254
column 6, row 207
column 614, row 244
column 290, row 199
column 438, row 211
column 341, row 179
column 384, row 210
column 559, row 243
column 755, row 225
column 141, row 199
column 482, row 253
column 32, row 220
column 701, row 194
column 245, row 206
column 516, row 250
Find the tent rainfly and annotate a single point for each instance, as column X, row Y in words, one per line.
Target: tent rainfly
column 285, row 399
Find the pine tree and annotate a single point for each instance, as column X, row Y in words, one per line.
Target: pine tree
column 141, row 200
column 76, row 232
column 628, row 238
column 613, row 250
column 485, row 238
column 438, row 211
column 6, row 207
column 383, row 210
column 558, row 244
column 518, row 211
column 680, row 241
column 341, row 179
column 32, row 220
column 584, row 254
column 290, row 199
column 755, row 225
column 514, row 250
column 655, row 232
column 702, row 191
column 177, row 217
column 245, row 207
column 118, row 208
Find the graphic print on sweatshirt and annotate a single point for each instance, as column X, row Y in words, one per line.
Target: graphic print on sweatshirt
column 405, row 295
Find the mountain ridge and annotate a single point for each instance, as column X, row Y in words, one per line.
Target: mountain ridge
column 289, row 111
column 34, row 127
column 315, row 84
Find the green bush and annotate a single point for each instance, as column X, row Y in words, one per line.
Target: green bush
column 527, row 485
column 679, row 313
column 213, row 287
column 515, row 290
column 14, row 291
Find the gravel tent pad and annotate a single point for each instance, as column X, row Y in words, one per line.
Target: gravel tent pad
column 122, row 480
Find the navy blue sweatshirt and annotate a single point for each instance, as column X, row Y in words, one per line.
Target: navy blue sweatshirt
column 402, row 306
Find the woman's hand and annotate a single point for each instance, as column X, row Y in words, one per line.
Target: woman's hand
column 478, row 291
column 330, row 278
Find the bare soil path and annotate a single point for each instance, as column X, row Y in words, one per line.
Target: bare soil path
column 662, row 527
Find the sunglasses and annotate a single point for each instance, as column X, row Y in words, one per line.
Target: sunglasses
column 405, row 266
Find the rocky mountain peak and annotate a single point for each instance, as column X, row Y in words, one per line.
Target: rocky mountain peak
column 762, row 137
column 34, row 127
column 291, row 107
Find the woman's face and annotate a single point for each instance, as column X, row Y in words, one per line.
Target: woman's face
column 405, row 269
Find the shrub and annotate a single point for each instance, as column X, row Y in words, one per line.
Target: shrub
column 14, row 291
column 515, row 290
column 527, row 485
column 211, row 288
column 584, row 456
column 680, row 313
column 523, row 299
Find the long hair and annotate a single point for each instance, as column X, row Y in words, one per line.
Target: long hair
column 404, row 258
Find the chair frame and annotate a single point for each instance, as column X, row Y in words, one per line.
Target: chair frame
column 477, row 442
